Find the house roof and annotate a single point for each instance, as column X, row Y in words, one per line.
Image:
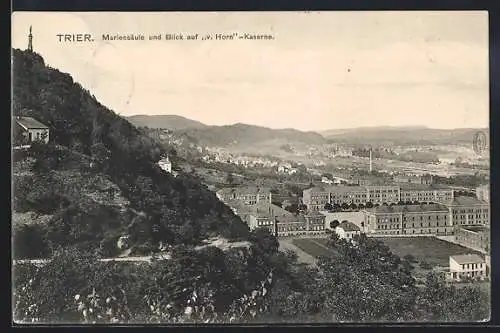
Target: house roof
column 467, row 258
column 30, row 123
column 265, row 206
column 408, row 209
column 465, row 201
column 313, row 213
column 348, row 226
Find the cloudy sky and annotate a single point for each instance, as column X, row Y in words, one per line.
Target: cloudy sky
column 323, row 70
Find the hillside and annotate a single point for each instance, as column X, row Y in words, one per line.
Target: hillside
column 401, row 135
column 170, row 122
column 249, row 135
column 97, row 179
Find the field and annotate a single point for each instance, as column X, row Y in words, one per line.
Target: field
column 432, row 250
column 314, row 246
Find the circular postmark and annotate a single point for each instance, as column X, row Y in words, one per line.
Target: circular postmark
column 480, row 142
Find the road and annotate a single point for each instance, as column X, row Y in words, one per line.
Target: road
column 119, row 259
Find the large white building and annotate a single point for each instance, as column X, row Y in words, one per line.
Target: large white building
column 316, row 198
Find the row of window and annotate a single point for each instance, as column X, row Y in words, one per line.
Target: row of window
column 470, row 210
column 396, row 219
column 391, row 226
column 416, row 231
column 472, row 216
column 472, row 266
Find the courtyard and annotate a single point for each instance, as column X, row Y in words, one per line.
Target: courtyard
column 434, row 251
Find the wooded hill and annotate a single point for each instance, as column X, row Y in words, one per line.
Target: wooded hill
column 249, row 135
column 160, row 207
column 170, row 122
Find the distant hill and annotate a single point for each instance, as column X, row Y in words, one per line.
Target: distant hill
column 250, row 135
column 401, row 135
column 171, row 122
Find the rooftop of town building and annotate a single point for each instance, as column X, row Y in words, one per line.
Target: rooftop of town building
column 469, row 258
column 395, row 209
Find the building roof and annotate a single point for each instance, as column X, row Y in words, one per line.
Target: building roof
column 30, row 123
column 316, row 189
column 314, row 213
column 423, row 187
column 465, row 201
column 467, row 258
column 347, row 189
column 476, row 228
column 408, row 209
column 348, row 226
column 390, row 186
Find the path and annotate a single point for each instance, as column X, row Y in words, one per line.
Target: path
column 302, row 256
column 122, row 259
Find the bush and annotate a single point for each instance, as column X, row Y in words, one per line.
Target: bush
column 410, row 258
column 30, row 241
column 425, row 265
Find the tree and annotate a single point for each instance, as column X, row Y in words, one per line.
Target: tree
column 328, row 206
column 293, row 208
column 345, row 206
column 425, row 265
column 334, row 224
column 353, row 206
column 369, row 204
column 410, row 258
column 230, row 179
column 30, row 242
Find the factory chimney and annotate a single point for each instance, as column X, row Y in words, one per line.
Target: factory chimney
column 371, row 162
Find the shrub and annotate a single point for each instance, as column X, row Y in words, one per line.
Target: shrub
column 425, row 265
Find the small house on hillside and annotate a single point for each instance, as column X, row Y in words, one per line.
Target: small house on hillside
column 467, row 266
column 28, row 129
column 347, row 230
column 165, row 164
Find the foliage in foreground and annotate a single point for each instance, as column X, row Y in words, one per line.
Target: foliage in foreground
column 365, row 282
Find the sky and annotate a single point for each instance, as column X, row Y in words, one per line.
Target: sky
column 322, row 70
